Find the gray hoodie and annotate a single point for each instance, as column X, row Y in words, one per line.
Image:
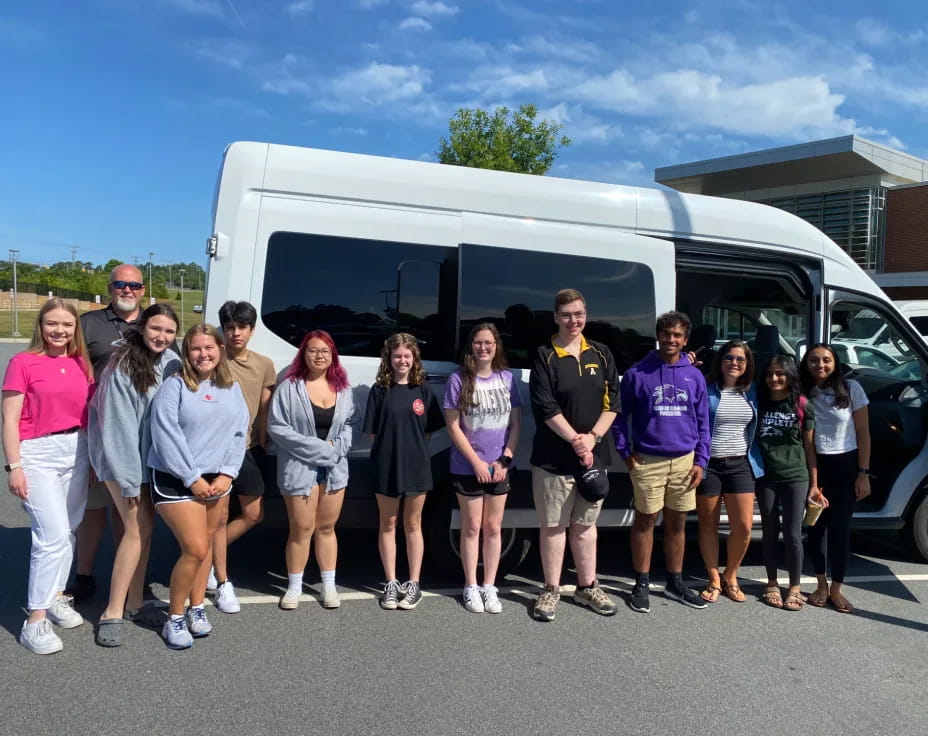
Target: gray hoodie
column 197, row 432
column 119, row 426
column 292, row 430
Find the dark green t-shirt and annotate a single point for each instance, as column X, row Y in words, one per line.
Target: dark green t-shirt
column 781, row 441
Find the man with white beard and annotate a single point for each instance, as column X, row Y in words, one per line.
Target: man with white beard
column 103, row 333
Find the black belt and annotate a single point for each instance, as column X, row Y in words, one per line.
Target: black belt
column 730, row 457
column 69, row 430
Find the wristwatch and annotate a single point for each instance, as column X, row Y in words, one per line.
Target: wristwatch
column 597, row 438
column 505, row 461
column 10, row 467
column 863, row 471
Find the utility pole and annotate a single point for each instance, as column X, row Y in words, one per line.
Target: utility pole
column 73, row 256
column 181, row 272
column 170, row 279
column 13, row 256
column 151, row 283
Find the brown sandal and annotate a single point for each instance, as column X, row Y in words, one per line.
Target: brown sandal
column 732, row 592
column 843, row 607
column 710, row 594
column 771, row 596
column 793, row 603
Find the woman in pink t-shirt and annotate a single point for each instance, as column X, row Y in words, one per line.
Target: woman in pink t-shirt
column 45, row 394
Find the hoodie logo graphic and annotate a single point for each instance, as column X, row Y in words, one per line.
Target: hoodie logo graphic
column 668, row 400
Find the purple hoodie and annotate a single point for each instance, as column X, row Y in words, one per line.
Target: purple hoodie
column 668, row 408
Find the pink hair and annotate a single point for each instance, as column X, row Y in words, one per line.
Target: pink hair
column 335, row 374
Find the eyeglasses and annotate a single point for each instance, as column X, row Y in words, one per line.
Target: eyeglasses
column 571, row 315
column 484, row 343
column 320, row 352
column 120, row 285
column 739, row 359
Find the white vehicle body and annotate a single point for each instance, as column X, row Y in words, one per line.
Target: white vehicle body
column 916, row 311
column 299, row 233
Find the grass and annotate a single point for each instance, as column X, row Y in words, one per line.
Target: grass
column 192, row 297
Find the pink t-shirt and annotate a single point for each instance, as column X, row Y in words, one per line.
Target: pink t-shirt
column 56, row 392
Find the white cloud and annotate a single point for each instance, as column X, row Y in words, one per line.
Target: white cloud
column 880, row 135
column 435, row 9
column 196, row 7
column 579, row 126
column 226, row 52
column 342, row 130
column 414, row 23
column 302, row 7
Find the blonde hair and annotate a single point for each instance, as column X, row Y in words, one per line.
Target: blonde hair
column 76, row 346
column 385, row 372
column 221, row 375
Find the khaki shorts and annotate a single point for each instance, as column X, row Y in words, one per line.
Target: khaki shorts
column 98, row 496
column 558, row 503
column 663, row 482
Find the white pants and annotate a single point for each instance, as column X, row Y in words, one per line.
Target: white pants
column 56, row 468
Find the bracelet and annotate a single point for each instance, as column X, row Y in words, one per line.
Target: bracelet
column 504, row 460
column 863, row 471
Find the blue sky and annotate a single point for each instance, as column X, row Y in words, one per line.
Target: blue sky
column 117, row 111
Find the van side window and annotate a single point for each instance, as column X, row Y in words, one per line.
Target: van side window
column 515, row 290
column 360, row 291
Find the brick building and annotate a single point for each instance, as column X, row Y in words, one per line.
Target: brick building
column 870, row 199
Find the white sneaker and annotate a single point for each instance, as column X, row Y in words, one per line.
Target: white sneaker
column 472, row 600
column 175, row 633
column 61, row 612
column 491, row 602
column 39, row 637
column 197, row 622
column 211, row 583
column 226, row 600
column 289, row 600
column 330, row 597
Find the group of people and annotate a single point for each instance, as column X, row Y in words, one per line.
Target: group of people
column 108, row 397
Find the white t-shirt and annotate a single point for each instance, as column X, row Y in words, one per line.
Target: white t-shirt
column 834, row 428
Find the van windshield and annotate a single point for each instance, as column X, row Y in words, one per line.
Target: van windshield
column 862, row 327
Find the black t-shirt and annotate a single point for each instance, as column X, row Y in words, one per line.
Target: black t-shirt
column 399, row 418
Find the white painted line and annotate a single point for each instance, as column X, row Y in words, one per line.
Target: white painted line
column 530, row 588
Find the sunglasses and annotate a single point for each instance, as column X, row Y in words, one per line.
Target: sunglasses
column 120, row 285
column 739, row 359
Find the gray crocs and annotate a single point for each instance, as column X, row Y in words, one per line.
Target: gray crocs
column 110, row 632
column 148, row 616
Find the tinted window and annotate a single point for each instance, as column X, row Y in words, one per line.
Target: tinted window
column 921, row 324
column 515, row 290
column 360, row 291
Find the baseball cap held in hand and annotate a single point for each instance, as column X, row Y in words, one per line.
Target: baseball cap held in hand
column 592, row 482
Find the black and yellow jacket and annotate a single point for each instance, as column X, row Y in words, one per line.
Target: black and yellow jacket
column 581, row 390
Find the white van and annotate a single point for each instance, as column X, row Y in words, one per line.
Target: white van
column 363, row 246
column 916, row 311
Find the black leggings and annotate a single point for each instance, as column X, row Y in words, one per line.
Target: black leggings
column 837, row 475
column 792, row 498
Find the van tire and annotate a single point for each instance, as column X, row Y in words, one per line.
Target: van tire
column 444, row 542
column 917, row 528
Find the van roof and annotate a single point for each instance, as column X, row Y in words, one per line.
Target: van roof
column 663, row 213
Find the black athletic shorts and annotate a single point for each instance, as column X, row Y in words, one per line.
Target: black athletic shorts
column 467, row 485
column 250, row 480
column 166, row 488
column 726, row 475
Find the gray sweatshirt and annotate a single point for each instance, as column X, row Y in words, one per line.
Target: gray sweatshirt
column 291, row 428
column 197, row 432
column 119, row 426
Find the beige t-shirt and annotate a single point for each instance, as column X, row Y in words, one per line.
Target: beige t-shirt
column 253, row 374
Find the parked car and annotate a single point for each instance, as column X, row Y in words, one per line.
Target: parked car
column 198, row 309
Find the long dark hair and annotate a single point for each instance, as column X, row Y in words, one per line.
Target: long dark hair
column 468, row 368
column 745, row 379
column 836, row 382
column 787, row 364
column 133, row 357
column 335, row 374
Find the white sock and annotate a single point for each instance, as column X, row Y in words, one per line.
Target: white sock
column 328, row 578
column 295, row 582
column 176, row 617
column 201, row 605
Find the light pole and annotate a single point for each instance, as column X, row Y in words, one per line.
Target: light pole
column 181, row 271
column 13, row 255
column 151, row 284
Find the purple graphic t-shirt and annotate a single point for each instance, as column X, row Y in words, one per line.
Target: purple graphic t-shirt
column 486, row 425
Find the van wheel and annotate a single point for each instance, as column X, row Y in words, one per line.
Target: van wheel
column 917, row 529
column 444, row 543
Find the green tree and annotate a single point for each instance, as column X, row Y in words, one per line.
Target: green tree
column 495, row 141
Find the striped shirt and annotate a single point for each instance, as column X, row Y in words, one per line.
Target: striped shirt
column 730, row 424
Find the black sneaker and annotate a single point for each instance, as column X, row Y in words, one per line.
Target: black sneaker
column 83, row 588
column 412, row 596
column 679, row 592
column 641, row 599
